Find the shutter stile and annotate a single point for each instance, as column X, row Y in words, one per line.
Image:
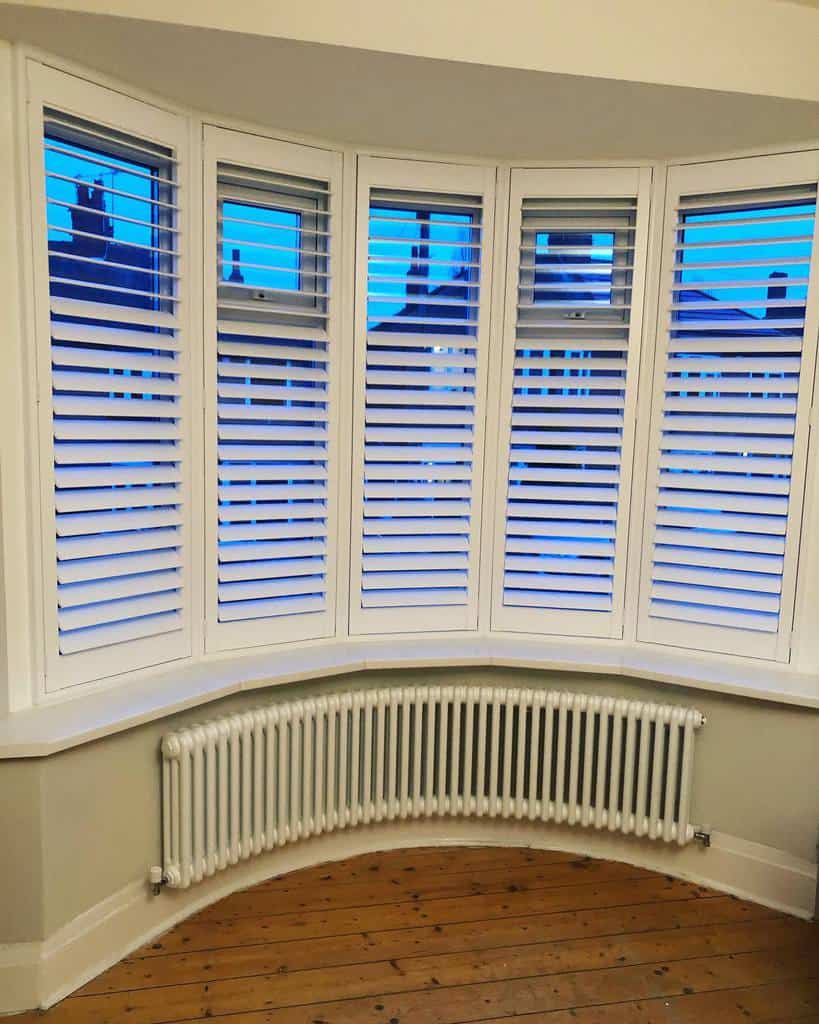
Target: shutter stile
column 112, row 219
column 729, row 436
column 572, row 335
column 273, row 278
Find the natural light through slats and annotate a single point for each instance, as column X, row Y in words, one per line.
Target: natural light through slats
column 423, row 285
column 111, row 210
column 272, row 393
column 732, row 381
column 575, row 265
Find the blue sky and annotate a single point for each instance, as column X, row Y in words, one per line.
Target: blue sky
column 273, row 268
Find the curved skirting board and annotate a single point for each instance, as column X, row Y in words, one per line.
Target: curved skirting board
column 40, row 973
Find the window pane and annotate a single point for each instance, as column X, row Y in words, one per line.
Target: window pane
column 108, row 225
column 418, row 259
column 260, row 246
column 590, row 257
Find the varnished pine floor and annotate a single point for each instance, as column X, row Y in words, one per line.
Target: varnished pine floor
column 439, row 936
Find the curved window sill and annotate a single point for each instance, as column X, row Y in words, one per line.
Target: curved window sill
column 72, row 721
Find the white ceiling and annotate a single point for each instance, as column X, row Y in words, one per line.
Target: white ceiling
column 403, row 102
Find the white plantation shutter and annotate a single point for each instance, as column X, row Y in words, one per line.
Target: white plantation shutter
column 421, row 326
column 737, row 349
column 112, row 378
column 271, row 284
column 572, row 329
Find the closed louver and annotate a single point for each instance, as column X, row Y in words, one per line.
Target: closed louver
column 577, row 245
column 730, row 429
column 113, row 421
column 422, row 336
column 273, row 368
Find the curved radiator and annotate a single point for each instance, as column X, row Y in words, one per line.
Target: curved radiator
column 248, row 782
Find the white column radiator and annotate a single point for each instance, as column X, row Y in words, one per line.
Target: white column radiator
column 255, row 780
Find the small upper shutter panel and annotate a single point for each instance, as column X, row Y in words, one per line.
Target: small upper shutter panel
column 735, row 367
column 421, row 325
column 113, row 378
column 571, row 344
column 273, row 225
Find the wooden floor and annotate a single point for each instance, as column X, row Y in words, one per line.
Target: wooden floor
column 437, row 936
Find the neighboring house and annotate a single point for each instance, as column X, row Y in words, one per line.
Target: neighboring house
column 93, row 255
column 116, row 264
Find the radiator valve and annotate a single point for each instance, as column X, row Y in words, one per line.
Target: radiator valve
column 155, row 879
column 703, row 835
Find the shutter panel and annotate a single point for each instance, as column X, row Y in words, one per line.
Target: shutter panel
column 273, row 331
column 572, row 330
column 421, row 332
column 733, row 394
column 112, row 369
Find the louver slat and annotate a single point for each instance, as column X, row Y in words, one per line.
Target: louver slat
column 570, row 338
column 421, row 340
column 728, row 427
column 272, row 397
column 118, row 509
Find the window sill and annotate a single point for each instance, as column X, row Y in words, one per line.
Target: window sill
column 70, row 722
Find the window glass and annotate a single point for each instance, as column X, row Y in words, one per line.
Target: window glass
column 590, row 257
column 260, row 246
column 417, row 255
column 105, row 226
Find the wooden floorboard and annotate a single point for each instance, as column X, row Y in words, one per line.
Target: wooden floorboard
column 455, row 936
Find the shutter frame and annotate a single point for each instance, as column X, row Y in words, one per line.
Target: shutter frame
column 562, row 191
column 134, row 644
column 740, row 181
column 419, row 184
column 298, row 618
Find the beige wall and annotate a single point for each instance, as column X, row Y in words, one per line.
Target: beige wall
column 92, row 814
column 754, row 46
column 21, row 854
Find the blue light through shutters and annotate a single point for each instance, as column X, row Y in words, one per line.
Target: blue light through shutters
column 572, row 327
column 732, row 373
column 272, row 394
column 422, row 313
column 112, row 237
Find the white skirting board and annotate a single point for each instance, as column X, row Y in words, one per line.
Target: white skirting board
column 40, row 973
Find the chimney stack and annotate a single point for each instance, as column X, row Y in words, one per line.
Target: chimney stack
column 236, row 276
column 777, row 291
